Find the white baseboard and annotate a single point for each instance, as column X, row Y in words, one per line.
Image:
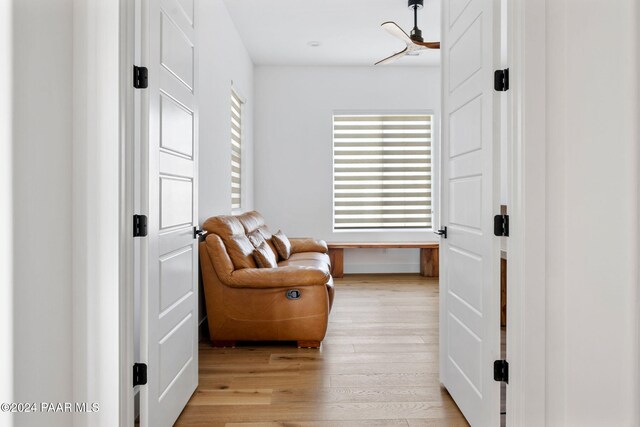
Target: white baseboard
column 382, row 268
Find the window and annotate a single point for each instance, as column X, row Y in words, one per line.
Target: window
column 236, row 151
column 382, row 171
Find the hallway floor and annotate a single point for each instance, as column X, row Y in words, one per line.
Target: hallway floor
column 378, row 366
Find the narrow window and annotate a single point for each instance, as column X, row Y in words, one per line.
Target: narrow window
column 382, row 171
column 236, row 151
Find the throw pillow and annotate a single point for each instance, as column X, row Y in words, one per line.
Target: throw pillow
column 282, row 244
column 255, row 237
column 267, row 235
column 264, row 256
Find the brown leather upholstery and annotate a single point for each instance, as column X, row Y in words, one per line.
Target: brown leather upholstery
column 308, row 245
column 236, row 242
column 245, row 303
column 319, row 265
column 310, row 255
column 282, row 244
column 264, row 256
column 331, row 291
column 256, row 238
column 240, row 251
column 224, row 226
column 253, row 221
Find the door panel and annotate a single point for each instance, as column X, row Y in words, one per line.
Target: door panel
column 176, row 277
column 466, row 128
column 176, row 202
column 470, row 293
column 177, row 127
column 176, row 52
column 169, row 294
column 465, row 54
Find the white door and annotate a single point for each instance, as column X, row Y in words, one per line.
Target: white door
column 470, row 290
column 169, row 291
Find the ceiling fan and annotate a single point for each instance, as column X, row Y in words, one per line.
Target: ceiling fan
column 415, row 42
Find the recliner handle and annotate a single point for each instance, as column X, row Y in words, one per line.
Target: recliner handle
column 293, row 294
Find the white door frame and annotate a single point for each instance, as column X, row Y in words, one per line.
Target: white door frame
column 127, row 207
column 102, row 297
column 526, row 275
column 526, row 305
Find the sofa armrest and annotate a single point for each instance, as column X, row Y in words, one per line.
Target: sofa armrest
column 280, row 277
column 308, row 245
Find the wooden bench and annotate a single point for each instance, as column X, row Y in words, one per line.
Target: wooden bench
column 428, row 255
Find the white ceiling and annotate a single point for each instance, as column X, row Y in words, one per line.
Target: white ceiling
column 277, row 32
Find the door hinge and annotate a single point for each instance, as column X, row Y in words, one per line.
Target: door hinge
column 501, row 80
column 501, row 371
column 501, row 225
column 139, row 225
column 139, row 374
column 140, row 77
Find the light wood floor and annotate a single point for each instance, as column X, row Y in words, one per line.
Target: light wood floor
column 378, row 367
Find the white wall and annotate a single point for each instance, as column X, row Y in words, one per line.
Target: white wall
column 62, row 207
column 294, row 169
column 592, row 213
column 6, row 213
column 42, row 174
column 223, row 58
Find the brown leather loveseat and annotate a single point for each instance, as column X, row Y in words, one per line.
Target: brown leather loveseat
column 290, row 302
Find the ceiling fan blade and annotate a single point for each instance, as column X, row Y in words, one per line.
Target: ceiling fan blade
column 395, row 30
column 430, row 45
column 393, row 57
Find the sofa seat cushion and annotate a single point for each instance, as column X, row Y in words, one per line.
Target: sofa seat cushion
column 320, row 265
column 317, row 256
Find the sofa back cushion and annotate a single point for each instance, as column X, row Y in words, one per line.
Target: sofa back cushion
column 240, row 251
column 264, row 256
column 251, row 221
column 232, row 233
column 224, row 226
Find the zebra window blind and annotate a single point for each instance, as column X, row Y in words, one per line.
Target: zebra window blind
column 236, row 151
column 382, row 171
